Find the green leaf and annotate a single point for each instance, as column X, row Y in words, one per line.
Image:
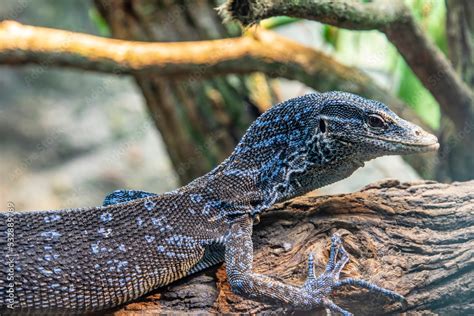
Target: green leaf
column 331, row 35
column 412, row 91
column 100, row 22
column 275, row 22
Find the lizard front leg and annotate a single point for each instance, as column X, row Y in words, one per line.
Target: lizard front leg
column 313, row 293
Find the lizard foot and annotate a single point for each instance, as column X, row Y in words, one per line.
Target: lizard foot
column 320, row 287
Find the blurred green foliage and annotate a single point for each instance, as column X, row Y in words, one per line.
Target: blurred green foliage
column 431, row 15
column 331, row 35
column 277, row 21
column 99, row 22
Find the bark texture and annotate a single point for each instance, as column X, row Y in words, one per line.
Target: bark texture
column 415, row 238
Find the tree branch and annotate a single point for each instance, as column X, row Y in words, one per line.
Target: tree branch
column 354, row 15
column 415, row 238
column 263, row 51
column 391, row 17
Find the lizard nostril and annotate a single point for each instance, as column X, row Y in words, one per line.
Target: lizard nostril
column 417, row 132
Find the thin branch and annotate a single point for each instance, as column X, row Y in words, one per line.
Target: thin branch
column 391, row 17
column 355, row 15
column 264, row 51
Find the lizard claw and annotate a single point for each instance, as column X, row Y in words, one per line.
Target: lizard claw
column 319, row 288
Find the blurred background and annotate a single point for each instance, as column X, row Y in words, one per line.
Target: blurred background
column 69, row 136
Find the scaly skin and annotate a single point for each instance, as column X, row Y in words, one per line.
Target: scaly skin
column 82, row 260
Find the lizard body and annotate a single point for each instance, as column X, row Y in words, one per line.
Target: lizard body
column 82, row 260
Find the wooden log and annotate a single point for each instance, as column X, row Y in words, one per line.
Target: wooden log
column 415, row 238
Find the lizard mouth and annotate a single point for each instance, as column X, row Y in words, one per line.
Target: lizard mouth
column 430, row 144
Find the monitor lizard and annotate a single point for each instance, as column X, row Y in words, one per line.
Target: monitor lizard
column 89, row 259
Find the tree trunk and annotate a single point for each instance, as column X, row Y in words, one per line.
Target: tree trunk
column 457, row 154
column 199, row 120
column 415, row 238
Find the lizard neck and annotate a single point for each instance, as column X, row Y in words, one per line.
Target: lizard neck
column 263, row 178
column 284, row 153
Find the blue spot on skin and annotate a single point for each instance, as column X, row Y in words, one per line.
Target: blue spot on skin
column 160, row 248
column 106, row 217
column 139, row 221
column 196, row 198
column 121, row 265
column 45, row 271
column 167, row 227
column 295, row 135
column 149, row 205
column 105, row 232
column 97, row 266
column 161, row 223
column 149, row 238
column 54, row 285
column 52, row 218
column 51, row 234
column 122, row 248
column 181, row 241
column 209, row 206
column 47, row 248
column 95, row 248
column 50, row 257
column 57, row 270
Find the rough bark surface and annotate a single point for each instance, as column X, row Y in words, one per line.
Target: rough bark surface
column 416, row 238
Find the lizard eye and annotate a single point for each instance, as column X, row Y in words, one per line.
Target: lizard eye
column 376, row 121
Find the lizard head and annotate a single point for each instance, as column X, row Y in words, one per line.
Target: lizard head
column 370, row 127
column 317, row 139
